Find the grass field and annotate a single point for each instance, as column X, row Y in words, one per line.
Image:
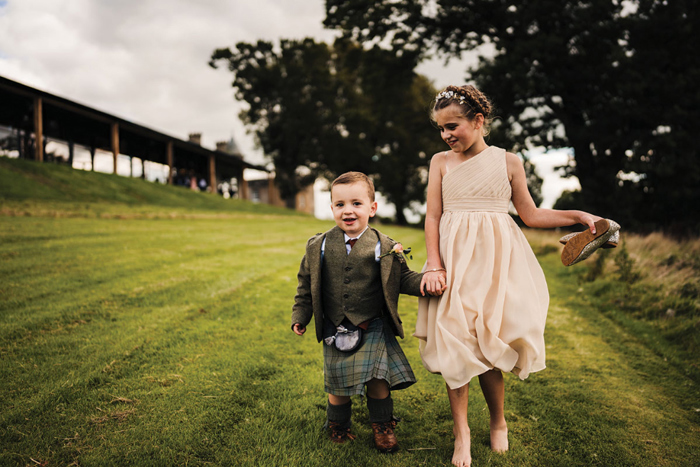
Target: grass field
column 156, row 332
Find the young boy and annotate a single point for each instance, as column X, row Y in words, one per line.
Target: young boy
column 349, row 281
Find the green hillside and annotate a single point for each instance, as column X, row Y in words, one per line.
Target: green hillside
column 28, row 186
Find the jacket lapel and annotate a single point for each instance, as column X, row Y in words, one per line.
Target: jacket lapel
column 386, row 263
column 314, row 260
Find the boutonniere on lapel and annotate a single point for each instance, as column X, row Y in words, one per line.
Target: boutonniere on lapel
column 400, row 252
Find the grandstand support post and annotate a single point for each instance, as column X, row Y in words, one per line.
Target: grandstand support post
column 169, row 158
column 242, row 186
column 212, row 173
column 92, row 158
column 38, row 130
column 246, row 188
column 115, row 144
column 71, row 153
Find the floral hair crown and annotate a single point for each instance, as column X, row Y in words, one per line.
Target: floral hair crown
column 451, row 95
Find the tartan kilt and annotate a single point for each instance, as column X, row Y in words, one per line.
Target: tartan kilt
column 379, row 356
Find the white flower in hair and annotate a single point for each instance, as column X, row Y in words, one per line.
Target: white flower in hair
column 450, row 95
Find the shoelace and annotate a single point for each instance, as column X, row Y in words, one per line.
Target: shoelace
column 384, row 427
column 339, row 432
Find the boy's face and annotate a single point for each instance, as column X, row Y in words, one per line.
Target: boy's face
column 352, row 207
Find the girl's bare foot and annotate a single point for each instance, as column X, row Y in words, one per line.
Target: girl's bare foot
column 462, row 456
column 499, row 437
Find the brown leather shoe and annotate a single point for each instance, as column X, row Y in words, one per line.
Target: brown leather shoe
column 384, row 437
column 339, row 433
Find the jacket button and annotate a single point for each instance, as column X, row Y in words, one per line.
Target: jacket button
column 347, row 280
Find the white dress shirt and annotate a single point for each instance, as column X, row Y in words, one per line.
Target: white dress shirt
column 377, row 249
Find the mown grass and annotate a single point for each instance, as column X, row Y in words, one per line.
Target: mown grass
column 651, row 285
column 146, row 340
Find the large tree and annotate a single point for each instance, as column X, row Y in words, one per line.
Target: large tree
column 289, row 93
column 320, row 110
column 394, row 125
column 614, row 80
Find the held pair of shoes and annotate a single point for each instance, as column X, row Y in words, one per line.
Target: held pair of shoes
column 383, row 434
column 580, row 245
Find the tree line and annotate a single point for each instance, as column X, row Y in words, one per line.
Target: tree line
column 615, row 80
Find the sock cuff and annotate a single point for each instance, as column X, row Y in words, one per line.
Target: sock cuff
column 380, row 410
column 339, row 413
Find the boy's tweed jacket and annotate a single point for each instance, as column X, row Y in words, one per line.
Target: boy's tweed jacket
column 396, row 278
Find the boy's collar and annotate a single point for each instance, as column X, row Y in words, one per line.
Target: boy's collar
column 347, row 237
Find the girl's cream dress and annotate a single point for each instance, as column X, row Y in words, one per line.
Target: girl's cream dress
column 493, row 313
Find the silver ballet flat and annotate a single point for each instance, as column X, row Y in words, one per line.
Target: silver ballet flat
column 582, row 245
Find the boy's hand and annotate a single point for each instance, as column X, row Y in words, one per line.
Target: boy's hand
column 298, row 329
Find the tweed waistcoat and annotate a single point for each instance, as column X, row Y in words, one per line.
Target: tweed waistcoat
column 352, row 284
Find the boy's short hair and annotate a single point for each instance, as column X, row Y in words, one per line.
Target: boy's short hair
column 354, row 177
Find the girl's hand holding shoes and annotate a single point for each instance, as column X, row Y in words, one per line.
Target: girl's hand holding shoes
column 588, row 220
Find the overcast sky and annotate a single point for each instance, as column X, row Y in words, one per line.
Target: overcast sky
column 146, row 60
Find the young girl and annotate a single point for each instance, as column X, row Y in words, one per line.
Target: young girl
column 492, row 316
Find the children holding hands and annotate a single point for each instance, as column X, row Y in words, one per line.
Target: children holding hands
column 491, row 316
